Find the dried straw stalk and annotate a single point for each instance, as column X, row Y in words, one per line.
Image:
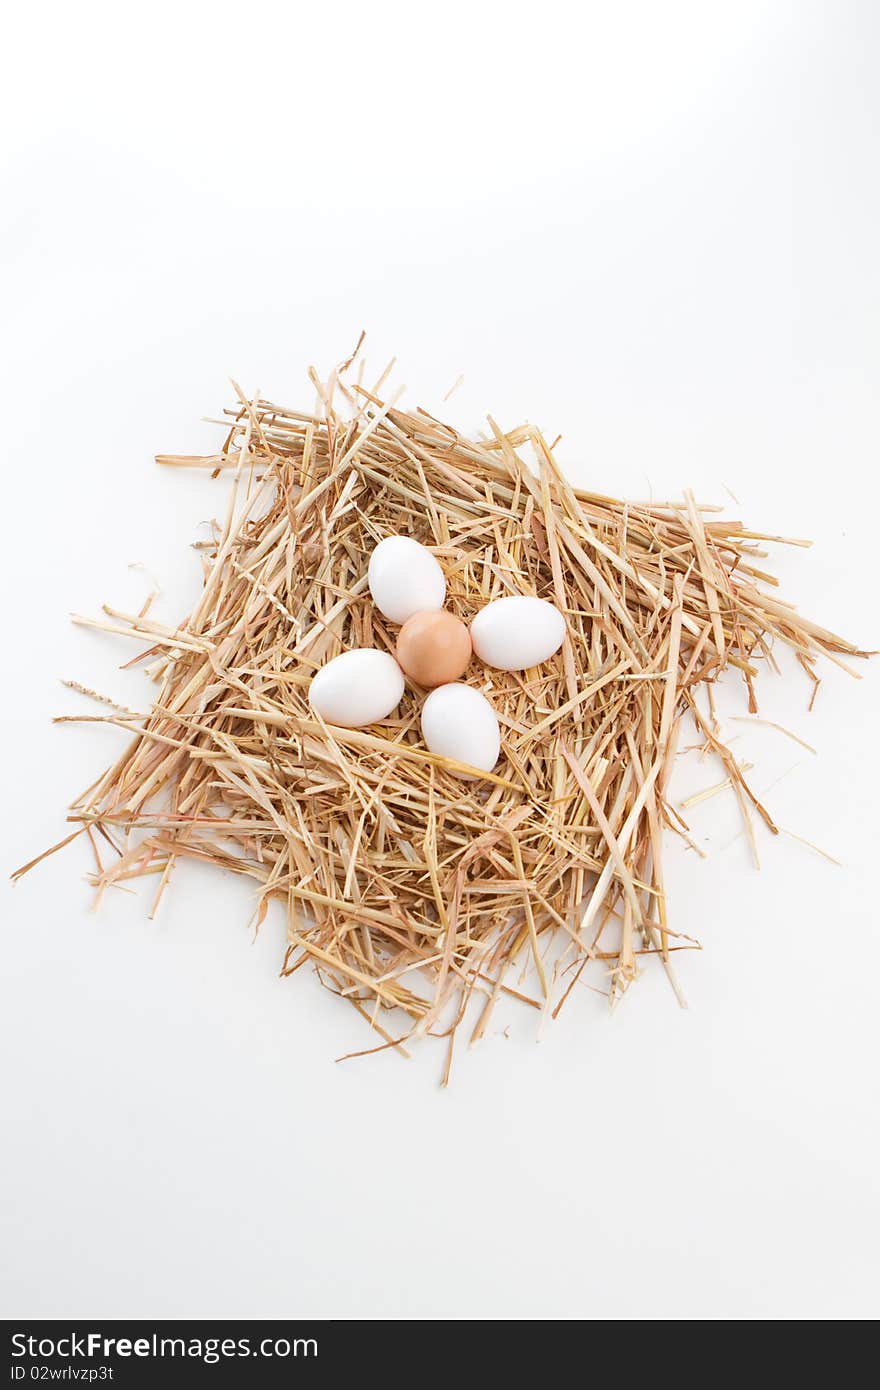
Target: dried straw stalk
column 408, row 889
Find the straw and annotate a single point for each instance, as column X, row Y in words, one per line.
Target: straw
column 409, row 890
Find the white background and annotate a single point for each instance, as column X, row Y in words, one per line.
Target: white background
column 653, row 228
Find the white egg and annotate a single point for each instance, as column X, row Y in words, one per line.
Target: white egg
column 404, row 579
column 458, row 722
column 357, row 688
column 514, row 633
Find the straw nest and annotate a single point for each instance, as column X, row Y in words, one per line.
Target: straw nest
column 411, row 891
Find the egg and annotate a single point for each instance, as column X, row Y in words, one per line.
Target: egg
column 357, row 688
column 514, row 633
column 433, row 648
column 404, row 579
column 458, row 722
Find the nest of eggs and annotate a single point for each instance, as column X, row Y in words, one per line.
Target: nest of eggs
column 413, row 890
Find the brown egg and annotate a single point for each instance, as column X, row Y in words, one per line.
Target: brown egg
column 433, row 648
